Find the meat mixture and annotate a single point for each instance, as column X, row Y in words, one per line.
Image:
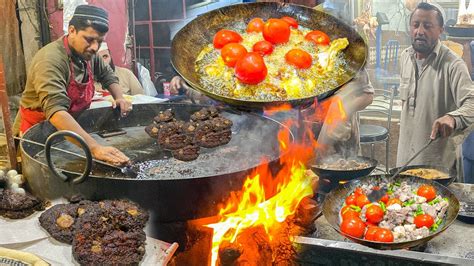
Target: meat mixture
column 407, row 212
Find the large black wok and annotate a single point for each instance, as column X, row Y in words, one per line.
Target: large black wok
column 190, row 40
column 172, row 190
column 337, row 175
column 334, row 201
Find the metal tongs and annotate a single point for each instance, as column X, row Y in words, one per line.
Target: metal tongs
column 376, row 195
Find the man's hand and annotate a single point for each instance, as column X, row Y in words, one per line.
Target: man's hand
column 109, row 154
column 443, row 126
column 124, row 105
column 177, row 83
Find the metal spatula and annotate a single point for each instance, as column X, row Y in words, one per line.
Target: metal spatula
column 401, row 169
column 376, row 195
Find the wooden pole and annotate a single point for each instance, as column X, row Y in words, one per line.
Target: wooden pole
column 6, row 118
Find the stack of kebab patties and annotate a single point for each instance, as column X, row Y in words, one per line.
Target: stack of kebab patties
column 15, row 202
column 108, row 232
column 206, row 128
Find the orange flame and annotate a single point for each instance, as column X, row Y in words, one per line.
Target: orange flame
column 265, row 199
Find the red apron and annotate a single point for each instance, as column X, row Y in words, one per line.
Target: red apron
column 81, row 95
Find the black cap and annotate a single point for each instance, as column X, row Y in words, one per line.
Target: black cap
column 93, row 13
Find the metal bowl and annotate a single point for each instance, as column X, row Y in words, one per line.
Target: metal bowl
column 443, row 181
column 335, row 199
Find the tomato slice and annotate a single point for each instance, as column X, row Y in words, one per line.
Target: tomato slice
column 370, row 234
column 291, row 21
column 251, row 69
column 384, row 199
column 424, row 220
column 353, row 227
column 348, row 212
column 299, row 58
column 374, row 214
column 224, row 37
column 232, row 52
column 318, row 37
column 427, row 191
column 263, row 47
column 255, row 25
column 358, row 191
column 362, row 200
column 351, row 199
column 276, row 31
column 383, row 235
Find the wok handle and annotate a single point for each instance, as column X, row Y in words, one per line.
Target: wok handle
column 87, row 151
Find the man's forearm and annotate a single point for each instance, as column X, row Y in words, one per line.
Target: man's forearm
column 62, row 120
column 116, row 90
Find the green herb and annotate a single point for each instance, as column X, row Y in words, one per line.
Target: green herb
column 356, row 208
column 436, row 225
column 446, row 199
column 408, row 203
column 397, row 184
column 390, row 189
column 382, row 205
column 433, row 202
column 419, row 210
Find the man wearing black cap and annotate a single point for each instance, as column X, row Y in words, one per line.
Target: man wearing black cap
column 60, row 81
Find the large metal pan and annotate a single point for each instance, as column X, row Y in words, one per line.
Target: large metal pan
column 173, row 190
column 335, row 199
column 443, row 181
column 190, row 40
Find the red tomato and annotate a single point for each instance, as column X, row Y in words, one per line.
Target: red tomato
column 353, row 227
column 291, row 21
column 251, row 69
column 394, row 201
column 384, row 199
column 348, row 212
column 255, row 25
column 362, row 200
column 383, row 235
column 276, row 31
column 224, row 37
column 299, row 58
column 424, row 220
column 358, row 191
column 427, row 191
column 232, row 52
column 370, row 234
column 263, row 47
column 318, row 37
column 374, row 214
column 351, row 200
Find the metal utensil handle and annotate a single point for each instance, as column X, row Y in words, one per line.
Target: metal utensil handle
column 82, row 142
column 70, row 153
column 401, row 169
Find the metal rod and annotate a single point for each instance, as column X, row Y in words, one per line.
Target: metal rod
column 6, row 118
column 68, row 152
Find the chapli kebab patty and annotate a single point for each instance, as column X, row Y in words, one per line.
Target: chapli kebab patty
column 59, row 220
column 18, row 205
column 100, row 240
column 125, row 214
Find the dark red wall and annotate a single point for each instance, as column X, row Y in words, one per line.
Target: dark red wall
column 118, row 18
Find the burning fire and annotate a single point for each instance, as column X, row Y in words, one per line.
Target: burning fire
column 267, row 200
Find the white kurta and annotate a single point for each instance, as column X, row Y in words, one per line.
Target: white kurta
column 442, row 86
